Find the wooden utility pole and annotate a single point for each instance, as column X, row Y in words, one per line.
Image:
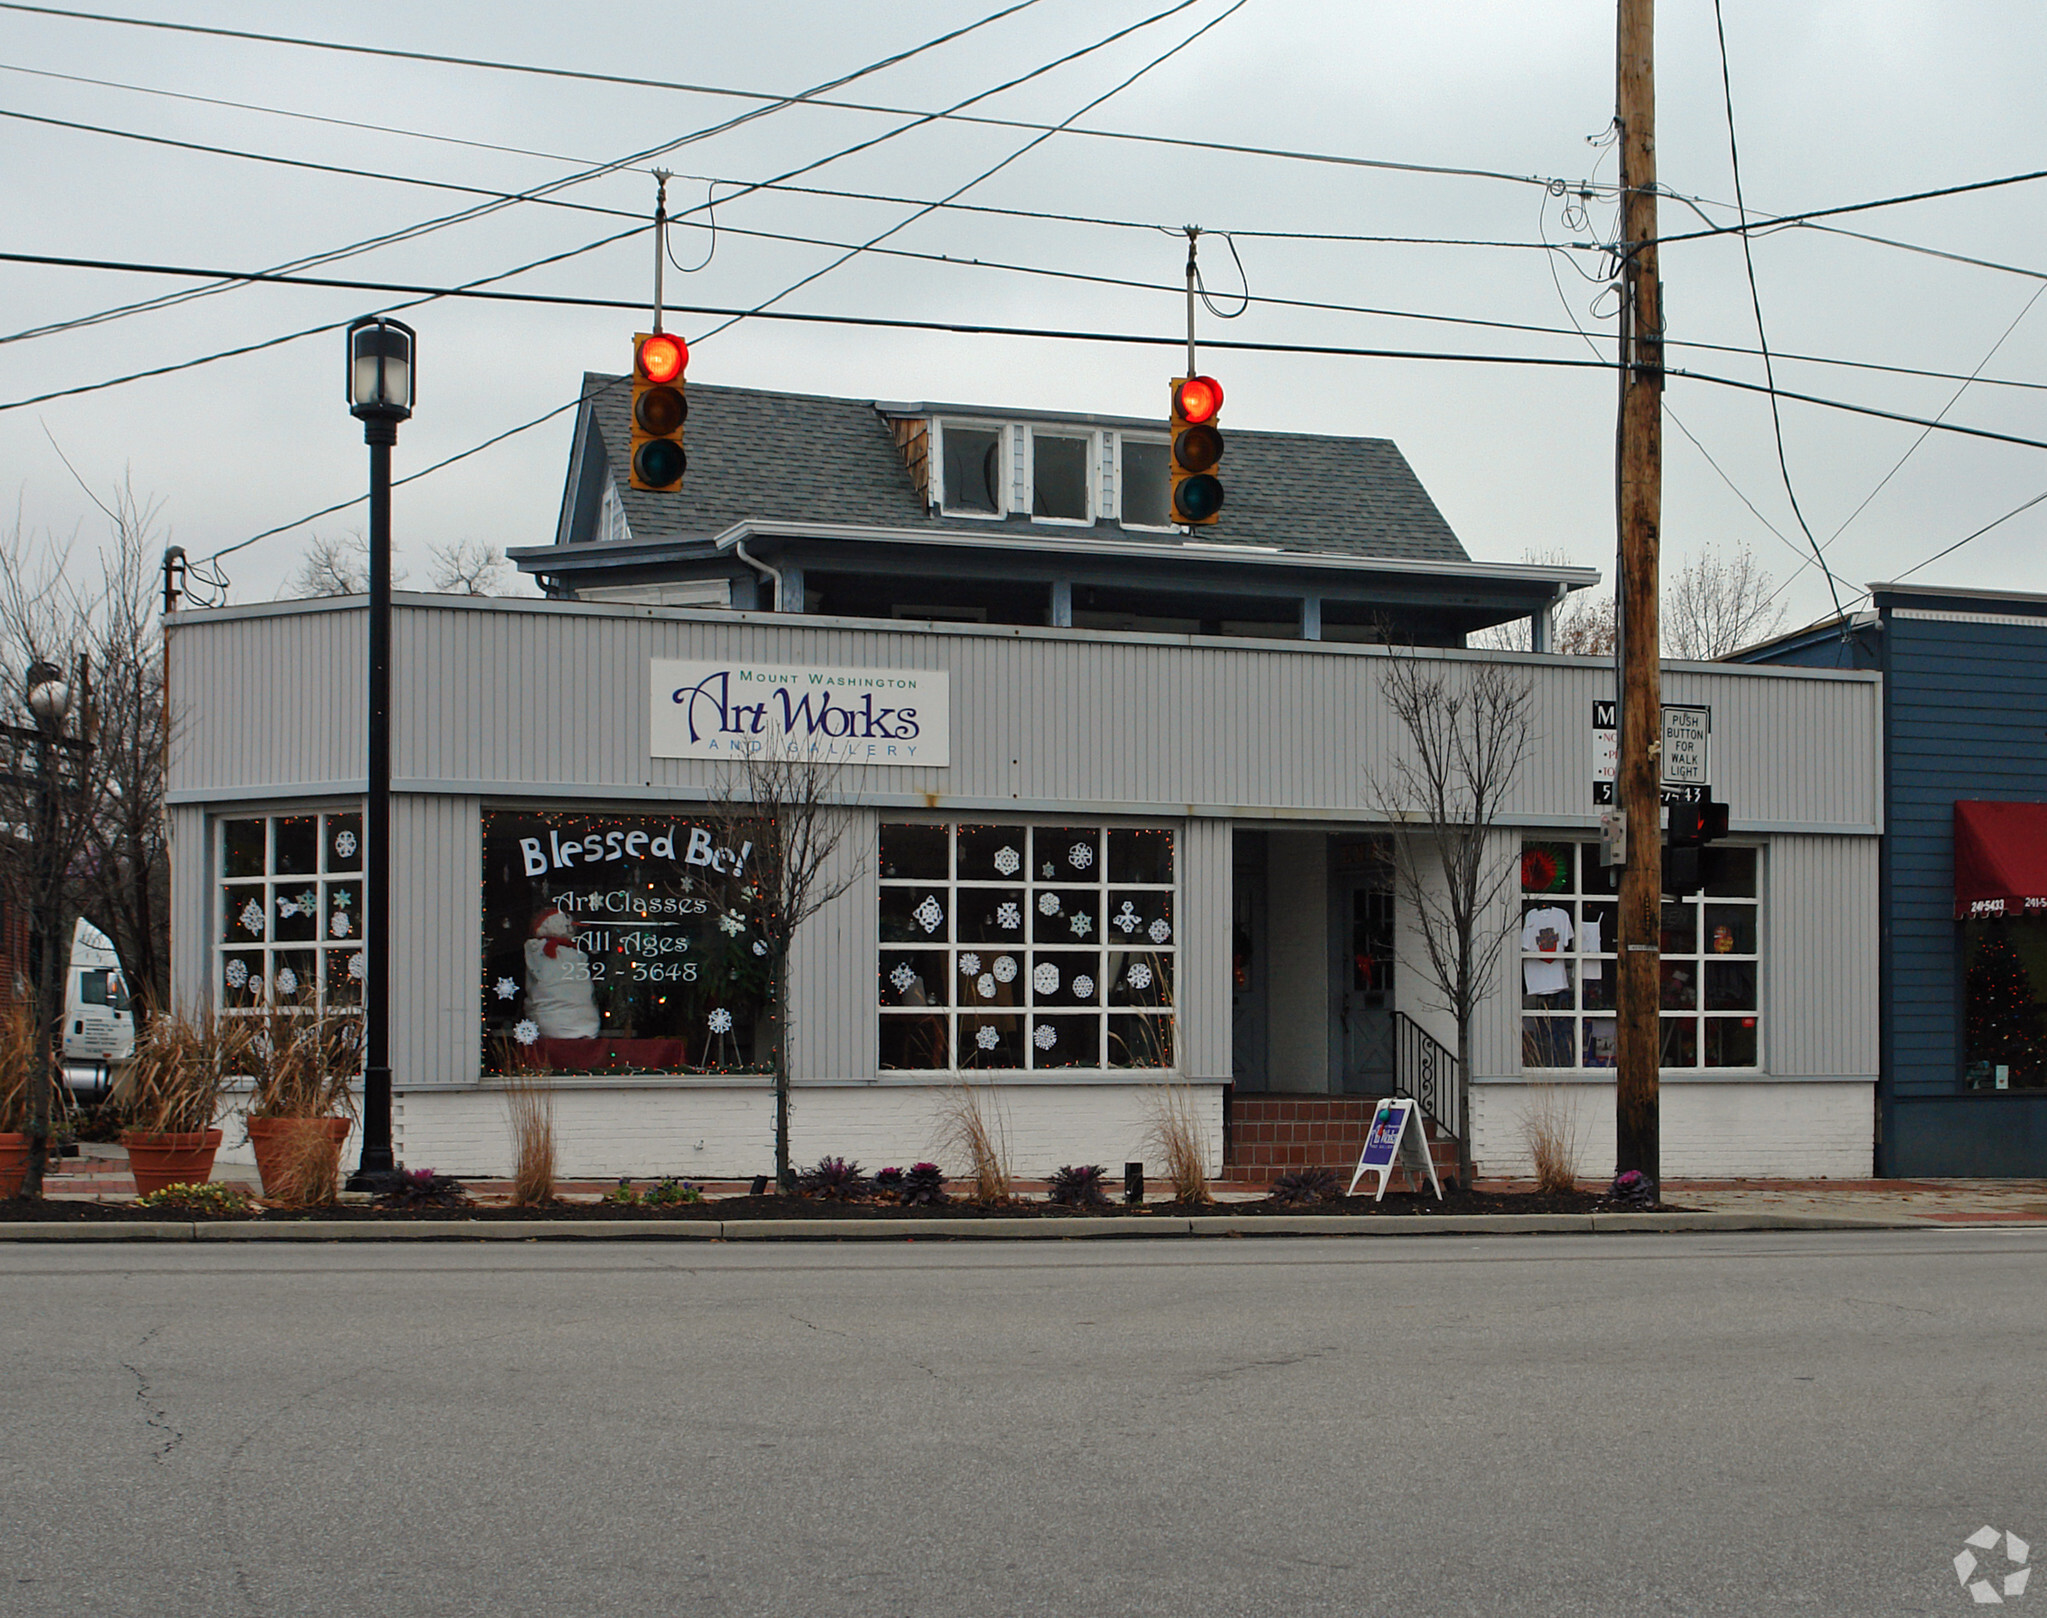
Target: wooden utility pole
column 1639, row 789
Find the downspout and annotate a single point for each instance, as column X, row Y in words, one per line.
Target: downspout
column 739, row 550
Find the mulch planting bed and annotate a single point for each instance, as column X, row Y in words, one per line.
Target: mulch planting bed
column 1396, row 1205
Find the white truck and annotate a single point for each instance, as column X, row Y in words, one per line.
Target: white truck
column 99, row 1023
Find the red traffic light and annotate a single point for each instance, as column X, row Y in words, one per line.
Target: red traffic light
column 1198, row 399
column 662, row 358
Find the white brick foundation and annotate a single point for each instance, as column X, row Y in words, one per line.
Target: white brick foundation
column 1718, row 1129
column 698, row 1131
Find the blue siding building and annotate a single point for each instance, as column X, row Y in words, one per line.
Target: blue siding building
column 1963, row 1088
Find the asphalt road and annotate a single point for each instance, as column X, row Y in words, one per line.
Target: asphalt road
column 1584, row 1425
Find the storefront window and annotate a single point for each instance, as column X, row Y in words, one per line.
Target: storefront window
column 1569, row 967
column 1037, row 948
column 621, row 944
column 2004, row 1019
column 289, row 923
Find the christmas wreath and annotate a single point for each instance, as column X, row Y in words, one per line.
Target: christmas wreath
column 1540, row 872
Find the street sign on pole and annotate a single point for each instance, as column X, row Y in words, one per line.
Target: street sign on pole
column 1686, row 755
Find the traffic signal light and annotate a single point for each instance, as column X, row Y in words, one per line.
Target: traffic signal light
column 1197, row 447
column 1692, row 827
column 659, row 411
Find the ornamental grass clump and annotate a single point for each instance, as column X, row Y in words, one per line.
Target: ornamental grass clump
column 1300, row 1188
column 834, row 1179
column 976, row 1129
column 1549, row 1125
column 17, row 1064
column 302, row 1060
column 530, row 1106
column 303, row 1165
column 1175, row 1135
column 183, row 1064
column 1081, row 1187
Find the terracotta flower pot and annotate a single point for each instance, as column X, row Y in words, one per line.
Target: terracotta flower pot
column 160, row 1160
column 13, row 1164
column 270, row 1137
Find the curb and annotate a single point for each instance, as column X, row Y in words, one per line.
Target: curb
column 992, row 1229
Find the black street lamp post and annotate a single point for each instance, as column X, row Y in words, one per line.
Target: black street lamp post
column 380, row 391
column 49, row 698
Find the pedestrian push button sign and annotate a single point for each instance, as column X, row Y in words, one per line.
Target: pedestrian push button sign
column 1687, row 765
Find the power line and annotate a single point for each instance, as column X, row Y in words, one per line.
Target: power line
column 1756, row 303
column 1978, row 534
column 813, row 98
column 1030, row 145
column 1780, row 220
column 957, row 328
column 597, row 171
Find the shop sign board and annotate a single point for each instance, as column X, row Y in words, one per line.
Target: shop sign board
column 723, row 710
column 1687, row 771
column 1397, row 1138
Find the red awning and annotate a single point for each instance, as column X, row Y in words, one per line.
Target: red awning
column 2000, row 859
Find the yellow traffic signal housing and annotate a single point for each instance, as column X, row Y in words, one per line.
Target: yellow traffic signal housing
column 660, row 411
column 1197, row 494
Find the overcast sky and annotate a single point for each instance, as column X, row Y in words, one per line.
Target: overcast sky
column 1836, row 101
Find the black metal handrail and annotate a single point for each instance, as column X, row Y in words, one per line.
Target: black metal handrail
column 1425, row 1070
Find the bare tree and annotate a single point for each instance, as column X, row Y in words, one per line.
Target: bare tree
column 1718, row 606
column 1583, row 624
column 333, row 567
column 783, row 802
column 468, row 567
column 1461, row 739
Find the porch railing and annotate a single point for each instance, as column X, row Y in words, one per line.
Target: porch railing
column 1426, row 1070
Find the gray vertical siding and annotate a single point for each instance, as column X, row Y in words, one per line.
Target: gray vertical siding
column 542, row 701
column 1820, row 957
column 436, row 926
column 191, row 906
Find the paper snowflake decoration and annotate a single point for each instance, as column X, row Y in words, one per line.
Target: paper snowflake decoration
column 337, row 924
column 1082, row 923
column 525, row 1030
column 1127, row 918
column 344, row 844
column 1160, row 931
column 1008, row 917
column 1005, row 968
column 251, row 918
column 930, row 915
column 984, row 985
column 1081, row 856
column 1008, row 861
column 902, row 977
column 986, row 1037
column 287, row 981
column 304, row 905
column 1048, row 870
column 237, row 974
column 730, row 924
column 358, row 967
column 507, row 989
column 1083, row 987
column 1048, row 904
column 719, row 1021
column 1139, row 976
column 1046, row 978
column 760, row 946
column 1044, row 1036
column 341, row 898
column 970, row 965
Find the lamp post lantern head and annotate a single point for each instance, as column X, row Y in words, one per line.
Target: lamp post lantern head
column 380, row 369
column 48, row 694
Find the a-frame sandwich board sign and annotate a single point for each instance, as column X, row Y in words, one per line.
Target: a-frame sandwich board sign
column 1397, row 1137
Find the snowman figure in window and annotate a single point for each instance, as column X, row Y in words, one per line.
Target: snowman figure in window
column 559, row 996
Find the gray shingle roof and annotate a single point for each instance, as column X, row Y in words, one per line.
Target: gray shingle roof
column 762, row 456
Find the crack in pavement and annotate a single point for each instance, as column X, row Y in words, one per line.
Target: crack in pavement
column 156, row 1417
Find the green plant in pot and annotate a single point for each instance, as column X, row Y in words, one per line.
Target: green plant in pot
column 171, row 1094
column 302, row 1062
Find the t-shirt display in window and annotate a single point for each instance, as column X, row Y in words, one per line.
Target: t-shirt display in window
column 1545, row 931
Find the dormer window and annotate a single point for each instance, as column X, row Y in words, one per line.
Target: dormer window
column 1143, row 484
column 974, row 470
column 1062, row 482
